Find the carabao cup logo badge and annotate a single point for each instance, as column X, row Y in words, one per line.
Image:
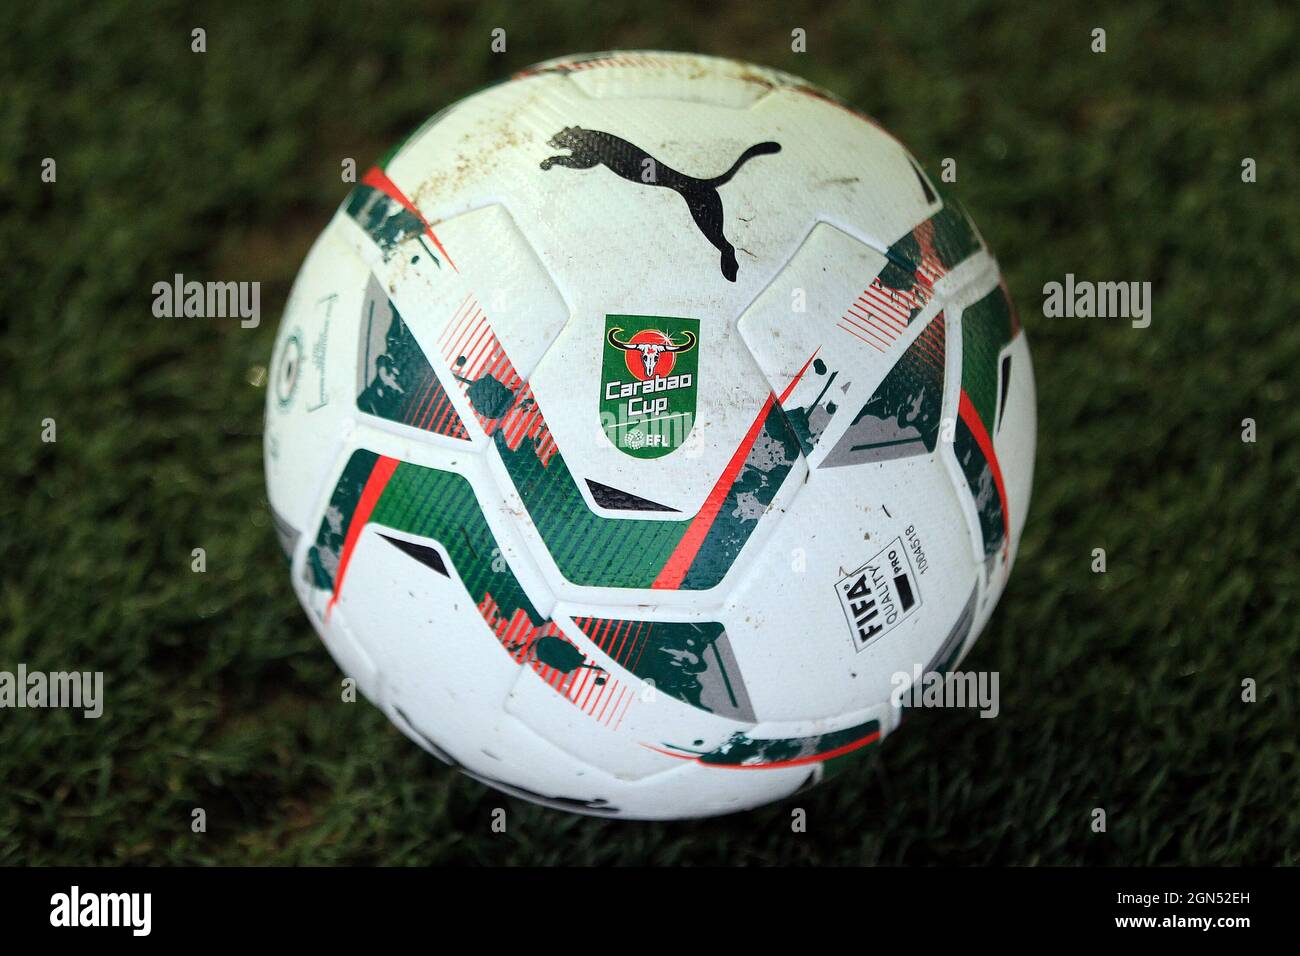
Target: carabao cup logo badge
column 647, row 382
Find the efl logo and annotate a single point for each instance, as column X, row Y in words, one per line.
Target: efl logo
column 880, row 595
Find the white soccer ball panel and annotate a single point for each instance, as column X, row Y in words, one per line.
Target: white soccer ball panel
column 309, row 400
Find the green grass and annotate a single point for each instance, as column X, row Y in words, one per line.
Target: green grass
column 1119, row 690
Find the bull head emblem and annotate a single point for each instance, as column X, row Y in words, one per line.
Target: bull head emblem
column 650, row 351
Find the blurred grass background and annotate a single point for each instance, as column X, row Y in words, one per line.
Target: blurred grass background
column 1119, row 690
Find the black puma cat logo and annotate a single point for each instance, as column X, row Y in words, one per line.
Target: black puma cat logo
column 589, row 147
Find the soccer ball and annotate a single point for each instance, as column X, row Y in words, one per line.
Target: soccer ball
column 636, row 423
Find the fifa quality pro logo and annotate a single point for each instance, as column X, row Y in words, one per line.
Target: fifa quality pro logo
column 880, row 595
column 647, row 382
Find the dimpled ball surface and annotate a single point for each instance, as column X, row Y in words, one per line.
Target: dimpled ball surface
column 637, row 422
